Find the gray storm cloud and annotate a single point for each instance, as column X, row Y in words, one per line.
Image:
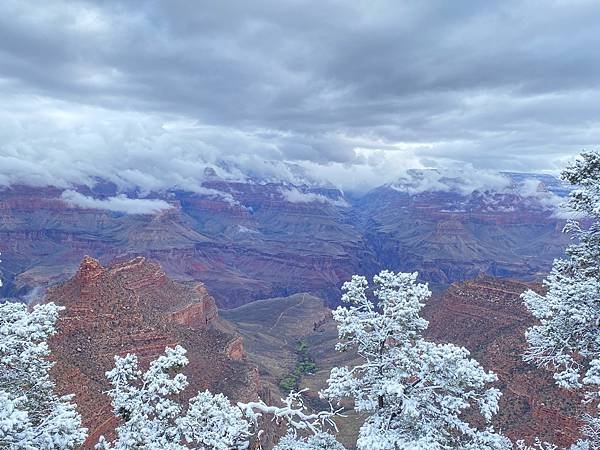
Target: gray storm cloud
column 149, row 94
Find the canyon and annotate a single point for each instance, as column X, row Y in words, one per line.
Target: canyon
column 131, row 306
column 255, row 240
column 241, row 277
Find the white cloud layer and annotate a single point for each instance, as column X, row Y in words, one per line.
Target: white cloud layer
column 119, row 203
column 352, row 94
column 293, row 195
column 463, row 180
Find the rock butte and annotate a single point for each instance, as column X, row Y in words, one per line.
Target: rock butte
column 133, row 307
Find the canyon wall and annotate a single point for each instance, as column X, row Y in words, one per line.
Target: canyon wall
column 261, row 244
column 487, row 316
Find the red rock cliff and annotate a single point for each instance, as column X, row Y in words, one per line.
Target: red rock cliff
column 487, row 317
column 133, row 307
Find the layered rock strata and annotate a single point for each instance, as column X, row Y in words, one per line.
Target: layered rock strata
column 487, row 316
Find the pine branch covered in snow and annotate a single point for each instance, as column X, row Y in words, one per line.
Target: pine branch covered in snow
column 414, row 391
column 294, row 413
column 299, row 421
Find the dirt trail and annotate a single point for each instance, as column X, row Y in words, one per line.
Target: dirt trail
column 286, row 310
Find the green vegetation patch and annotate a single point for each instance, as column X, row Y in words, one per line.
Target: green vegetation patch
column 305, row 365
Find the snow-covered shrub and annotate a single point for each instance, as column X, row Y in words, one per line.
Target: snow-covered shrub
column 32, row 416
column 152, row 418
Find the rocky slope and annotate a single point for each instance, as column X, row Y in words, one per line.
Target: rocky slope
column 273, row 330
column 451, row 237
column 487, row 316
column 133, row 307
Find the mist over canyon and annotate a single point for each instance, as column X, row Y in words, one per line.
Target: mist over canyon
column 255, row 239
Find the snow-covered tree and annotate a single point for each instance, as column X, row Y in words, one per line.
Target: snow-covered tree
column 567, row 338
column 152, row 419
column 32, row 416
column 415, row 391
column 306, row 430
column 319, row 441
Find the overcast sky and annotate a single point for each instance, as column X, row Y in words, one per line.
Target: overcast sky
column 349, row 92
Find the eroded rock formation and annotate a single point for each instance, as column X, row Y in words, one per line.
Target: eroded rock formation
column 133, row 307
column 260, row 243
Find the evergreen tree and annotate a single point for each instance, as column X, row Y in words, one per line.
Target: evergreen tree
column 32, row 416
column 567, row 338
column 414, row 391
column 152, row 419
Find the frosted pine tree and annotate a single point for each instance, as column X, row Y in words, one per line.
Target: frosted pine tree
column 153, row 420
column 567, row 338
column 414, row 391
column 320, row 441
column 306, row 430
column 32, row 416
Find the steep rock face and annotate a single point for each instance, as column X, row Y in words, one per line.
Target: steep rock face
column 133, row 307
column 487, row 317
